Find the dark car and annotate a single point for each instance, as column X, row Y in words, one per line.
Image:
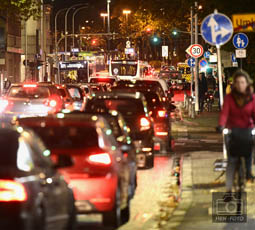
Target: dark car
column 159, row 112
column 32, row 193
column 135, row 112
column 100, row 175
column 30, row 99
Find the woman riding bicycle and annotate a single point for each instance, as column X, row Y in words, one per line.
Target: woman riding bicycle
column 238, row 114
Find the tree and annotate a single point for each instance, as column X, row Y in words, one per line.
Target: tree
column 23, row 8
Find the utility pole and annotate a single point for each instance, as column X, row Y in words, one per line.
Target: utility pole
column 192, row 42
column 108, row 25
column 42, row 43
column 196, row 63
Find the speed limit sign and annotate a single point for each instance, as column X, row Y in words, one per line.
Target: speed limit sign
column 196, row 50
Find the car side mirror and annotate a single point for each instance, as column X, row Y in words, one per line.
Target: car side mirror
column 63, row 161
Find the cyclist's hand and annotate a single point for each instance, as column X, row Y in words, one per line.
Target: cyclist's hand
column 219, row 129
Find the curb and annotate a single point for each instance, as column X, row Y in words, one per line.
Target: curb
column 186, row 194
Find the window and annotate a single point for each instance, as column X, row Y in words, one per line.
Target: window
column 124, row 69
column 68, row 137
column 75, row 93
column 30, row 92
column 24, row 159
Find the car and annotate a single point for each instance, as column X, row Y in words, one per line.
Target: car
column 33, row 195
column 66, row 97
column 103, row 79
column 78, row 95
column 159, row 113
column 30, row 99
column 100, row 176
column 121, row 132
column 133, row 108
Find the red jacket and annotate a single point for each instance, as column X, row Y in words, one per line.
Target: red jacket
column 233, row 116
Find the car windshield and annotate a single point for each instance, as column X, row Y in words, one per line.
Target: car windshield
column 124, row 69
column 29, row 92
column 127, row 107
column 153, row 100
column 68, row 137
column 75, row 93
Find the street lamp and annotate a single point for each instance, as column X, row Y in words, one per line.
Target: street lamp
column 104, row 15
column 67, row 11
column 75, row 12
column 127, row 12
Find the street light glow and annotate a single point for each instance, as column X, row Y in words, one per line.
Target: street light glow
column 103, row 14
column 126, row 11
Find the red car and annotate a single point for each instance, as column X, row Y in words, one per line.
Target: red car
column 100, row 176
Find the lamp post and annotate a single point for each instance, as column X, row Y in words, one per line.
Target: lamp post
column 108, row 23
column 75, row 12
column 104, row 15
column 67, row 11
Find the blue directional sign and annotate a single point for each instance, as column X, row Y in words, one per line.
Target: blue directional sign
column 240, row 41
column 191, row 62
column 233, row 58
column 203, row 63
column 207, row 54
column 217, row 29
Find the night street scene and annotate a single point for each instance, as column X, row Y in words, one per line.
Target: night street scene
column 127, row 114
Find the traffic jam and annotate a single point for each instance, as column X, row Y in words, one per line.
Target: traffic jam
column 127, row 115
column 77, row 148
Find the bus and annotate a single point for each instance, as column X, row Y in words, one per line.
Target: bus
column 129, row 69
column 185, row 71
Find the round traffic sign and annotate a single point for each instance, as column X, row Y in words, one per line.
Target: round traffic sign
column 196, row 50
column 216, row 29
column 191, row 62
column 203, row 63
column 240, row 41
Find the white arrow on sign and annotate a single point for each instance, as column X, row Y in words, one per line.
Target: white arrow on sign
column 214, row 25
column 188, row 50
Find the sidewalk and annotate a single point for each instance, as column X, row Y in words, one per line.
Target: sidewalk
column 194, row 211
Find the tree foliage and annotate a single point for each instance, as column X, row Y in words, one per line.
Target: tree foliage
column 23, row 8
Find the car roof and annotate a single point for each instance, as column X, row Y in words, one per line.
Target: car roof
column 63, row 119
column 118, row 94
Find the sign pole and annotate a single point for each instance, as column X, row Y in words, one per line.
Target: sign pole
column 196, row 65
column 192, row 42
column 220, row 76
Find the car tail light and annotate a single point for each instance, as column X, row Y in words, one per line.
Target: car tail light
column 100, row 159
column 3, row 104
column 12, row 191
column 144, row 123
column 161, row 133
column 161, row 113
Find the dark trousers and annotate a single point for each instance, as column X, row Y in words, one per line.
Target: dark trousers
column 201, row 102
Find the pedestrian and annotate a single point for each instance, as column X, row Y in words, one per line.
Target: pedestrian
column 202, row 90
column 238, row 114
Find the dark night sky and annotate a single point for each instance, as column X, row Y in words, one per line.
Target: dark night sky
column 93, row 12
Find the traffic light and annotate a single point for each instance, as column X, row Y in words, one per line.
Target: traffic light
column 155, row 40
column 94, row 42
column 148, row 30
column 174, row 32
